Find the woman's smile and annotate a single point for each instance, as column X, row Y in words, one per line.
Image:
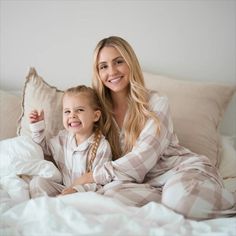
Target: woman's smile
column 115, row 80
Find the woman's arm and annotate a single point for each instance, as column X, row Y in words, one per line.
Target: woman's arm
column 84, row 179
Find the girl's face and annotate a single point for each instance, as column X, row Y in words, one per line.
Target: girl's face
column 113, row 70
column 78, row 115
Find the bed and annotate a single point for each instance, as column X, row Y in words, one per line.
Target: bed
column 197, row 111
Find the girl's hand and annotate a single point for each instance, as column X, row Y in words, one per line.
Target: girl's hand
column 36, row 116
column 68, row 191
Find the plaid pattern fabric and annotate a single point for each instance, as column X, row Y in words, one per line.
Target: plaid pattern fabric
column 159, row 169
column 70, row 159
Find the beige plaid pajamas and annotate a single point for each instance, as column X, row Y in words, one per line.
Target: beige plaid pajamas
column 70, row 159
column 159, row 169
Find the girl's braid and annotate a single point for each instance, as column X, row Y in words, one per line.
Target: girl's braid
column 93, row 152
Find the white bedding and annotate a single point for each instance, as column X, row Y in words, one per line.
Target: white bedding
column 81, row 213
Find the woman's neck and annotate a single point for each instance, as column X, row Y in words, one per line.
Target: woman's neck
column 120, row 106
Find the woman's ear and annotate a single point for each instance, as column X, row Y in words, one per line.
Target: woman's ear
column 97, row 115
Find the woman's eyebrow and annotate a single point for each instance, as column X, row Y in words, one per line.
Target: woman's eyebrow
column 103, row 62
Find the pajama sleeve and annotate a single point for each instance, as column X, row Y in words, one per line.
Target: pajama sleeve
column 38, row 135
column 145, row 154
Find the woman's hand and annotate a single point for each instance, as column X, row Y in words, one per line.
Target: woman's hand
column 84, row 179
column 68, row 191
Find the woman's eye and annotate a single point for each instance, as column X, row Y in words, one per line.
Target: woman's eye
column 119, row 61
column 67, row 112
column 102, row 67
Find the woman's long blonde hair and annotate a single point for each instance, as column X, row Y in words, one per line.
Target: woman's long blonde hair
column 138, row 111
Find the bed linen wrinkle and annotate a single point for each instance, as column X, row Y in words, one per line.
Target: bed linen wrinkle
column 81, row 214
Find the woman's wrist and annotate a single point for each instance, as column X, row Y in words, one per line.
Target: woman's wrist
column 84, row 179
column 90, row 178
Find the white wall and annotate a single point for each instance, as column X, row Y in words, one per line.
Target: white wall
column 193, row 40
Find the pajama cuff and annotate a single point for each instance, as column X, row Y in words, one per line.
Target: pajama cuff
column 38, row 126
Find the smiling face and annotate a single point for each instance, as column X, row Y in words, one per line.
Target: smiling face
column 79, row 115
column 113, row 69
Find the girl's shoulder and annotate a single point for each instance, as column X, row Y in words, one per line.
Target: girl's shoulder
column 61, row 136
column 104, row 144
column 104, row 141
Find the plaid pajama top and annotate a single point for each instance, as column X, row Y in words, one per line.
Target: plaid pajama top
column 71, row 160
column 155, row 156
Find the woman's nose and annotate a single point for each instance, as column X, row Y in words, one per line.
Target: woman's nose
column 112, row 70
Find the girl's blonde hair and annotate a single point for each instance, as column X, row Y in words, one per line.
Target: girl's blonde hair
column 138, row 111
column 95, row 103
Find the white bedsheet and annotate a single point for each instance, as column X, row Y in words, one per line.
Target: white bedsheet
column 21, row 156
column 93, row 214
column 81, row 213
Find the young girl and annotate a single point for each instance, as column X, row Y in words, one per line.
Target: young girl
column 150, row 164
column 75, row 150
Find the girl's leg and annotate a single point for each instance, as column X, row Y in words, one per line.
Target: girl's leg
column 197, row 195
column 41, row 186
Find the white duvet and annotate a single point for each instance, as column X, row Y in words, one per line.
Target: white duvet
column 81, row 213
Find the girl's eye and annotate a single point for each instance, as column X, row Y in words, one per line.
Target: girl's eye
column 79, row 110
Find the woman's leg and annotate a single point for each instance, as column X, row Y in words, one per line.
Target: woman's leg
column 132, row 194
column 41, row 186
column 197, row 195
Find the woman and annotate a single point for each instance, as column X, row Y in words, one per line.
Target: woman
column 148, row 162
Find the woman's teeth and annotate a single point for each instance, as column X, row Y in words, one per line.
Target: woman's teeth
column 114, row 80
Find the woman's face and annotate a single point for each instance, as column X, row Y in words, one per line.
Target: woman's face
column 113, row 69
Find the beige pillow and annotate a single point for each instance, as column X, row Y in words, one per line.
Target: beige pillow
column 197, row 109
column 227, row 166
column 9, row 113
column 37, row 94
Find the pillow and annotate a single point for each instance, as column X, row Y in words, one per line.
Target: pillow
column 37, row 94
column 197, row 109
column 227, row 166
column 9, row 114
